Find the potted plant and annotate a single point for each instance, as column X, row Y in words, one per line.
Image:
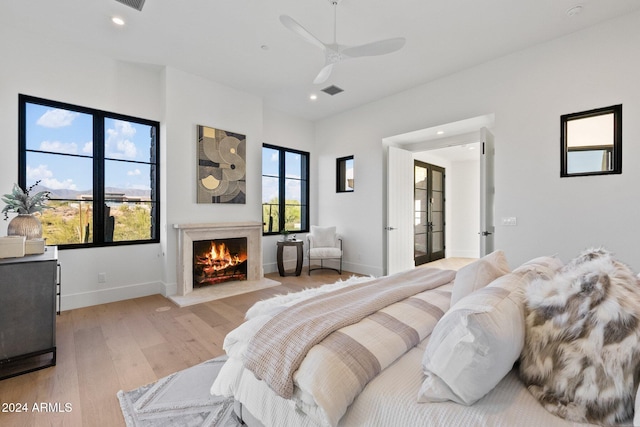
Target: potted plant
column 25, row 205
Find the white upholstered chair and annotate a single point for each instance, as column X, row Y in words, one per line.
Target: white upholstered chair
column 324, row 244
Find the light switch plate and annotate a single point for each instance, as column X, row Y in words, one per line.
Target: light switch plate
column 509, row 220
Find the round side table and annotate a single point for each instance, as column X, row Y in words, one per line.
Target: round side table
column 299, row 257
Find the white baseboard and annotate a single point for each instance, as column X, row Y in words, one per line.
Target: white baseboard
column 367, row 270
column 170, row 289
column 463, row 254
column 103, row 296
column 271, row 267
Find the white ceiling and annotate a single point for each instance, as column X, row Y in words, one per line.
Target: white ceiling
column 242, row 44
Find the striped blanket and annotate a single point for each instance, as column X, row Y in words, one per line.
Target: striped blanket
column 321, row 352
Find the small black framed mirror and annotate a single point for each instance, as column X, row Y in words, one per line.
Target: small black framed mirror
column 344, row 174
column 591, row 142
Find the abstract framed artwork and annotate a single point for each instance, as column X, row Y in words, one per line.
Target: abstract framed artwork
column 221, row 166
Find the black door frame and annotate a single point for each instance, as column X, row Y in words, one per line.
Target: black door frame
column 430, row 255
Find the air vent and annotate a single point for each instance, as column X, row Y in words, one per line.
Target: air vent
column 332, row 90
column 136, row 4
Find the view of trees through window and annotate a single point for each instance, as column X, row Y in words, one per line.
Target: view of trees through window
column 100, row 169
column 285, row 189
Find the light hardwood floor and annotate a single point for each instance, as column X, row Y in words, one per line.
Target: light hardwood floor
column 127, row 344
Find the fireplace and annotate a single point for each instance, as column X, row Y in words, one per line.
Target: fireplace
column 219, row 260
column 228, row 233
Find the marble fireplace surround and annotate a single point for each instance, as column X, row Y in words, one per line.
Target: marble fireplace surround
column 188, row 233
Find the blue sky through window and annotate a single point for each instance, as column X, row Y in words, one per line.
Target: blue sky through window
column 55, row 130
column 293, row 173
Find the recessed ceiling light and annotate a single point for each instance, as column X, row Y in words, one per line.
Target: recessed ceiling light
column 440, row 132
column 117, row 20
column 313, row 97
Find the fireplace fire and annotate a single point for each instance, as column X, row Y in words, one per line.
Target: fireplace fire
column 219, row 260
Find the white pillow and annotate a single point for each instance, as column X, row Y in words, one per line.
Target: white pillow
column 323, row 237
column 478, row 274
column 541, row 265
column 476, row 343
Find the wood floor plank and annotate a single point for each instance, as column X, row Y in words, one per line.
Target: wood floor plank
column 128, row 359
column 98, row 376
column 142, row 329
column 203, row 333
column 180, row 339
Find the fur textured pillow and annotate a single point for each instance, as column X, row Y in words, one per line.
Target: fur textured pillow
column 581, row 356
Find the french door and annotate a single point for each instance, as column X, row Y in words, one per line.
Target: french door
column 428, row 234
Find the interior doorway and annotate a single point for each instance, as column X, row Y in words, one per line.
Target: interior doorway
column 429, row 212
column 463, row 185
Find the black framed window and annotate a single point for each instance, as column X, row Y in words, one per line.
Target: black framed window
column 591, row 142
column 285, row 190
column 344, row 174
column 101, row 169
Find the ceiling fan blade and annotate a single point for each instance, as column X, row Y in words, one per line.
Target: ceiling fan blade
column 291, row 24
column 324, row 74
column 381, row 47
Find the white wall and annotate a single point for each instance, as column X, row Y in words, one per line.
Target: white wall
column 527, row 92
column 178, row 100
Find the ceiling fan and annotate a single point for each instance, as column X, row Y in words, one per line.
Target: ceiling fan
column 334, row 52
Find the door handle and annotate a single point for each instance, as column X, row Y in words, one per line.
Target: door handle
column 390, row 228
column 485, row 233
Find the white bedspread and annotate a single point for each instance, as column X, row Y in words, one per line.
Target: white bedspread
column 390, row 400
column 328, row 381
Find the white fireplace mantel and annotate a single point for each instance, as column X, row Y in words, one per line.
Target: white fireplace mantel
column 188, row 233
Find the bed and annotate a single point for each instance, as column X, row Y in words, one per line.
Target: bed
column 405, row 373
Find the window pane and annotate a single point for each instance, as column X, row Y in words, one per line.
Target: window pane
column 420, row 177
column 270, row 190
column 420, row 200
column 270, row 162
column 127, row 221
column 68, row 222
column 67, row 177
column 132, row 180
column 348, row 175
column 588, row 161
column 437, row 200
column 293, row 191
column 126, row 140
column 58, row 130
column 437, row 181
column 292, row 220
column 420, row 244
column 591, row 131
column 437, row 221
column 437, row 242
column 293, row 165
column 270, row 217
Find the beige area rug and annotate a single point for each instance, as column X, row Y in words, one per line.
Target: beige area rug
column 223, row 290
column 180, row 399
